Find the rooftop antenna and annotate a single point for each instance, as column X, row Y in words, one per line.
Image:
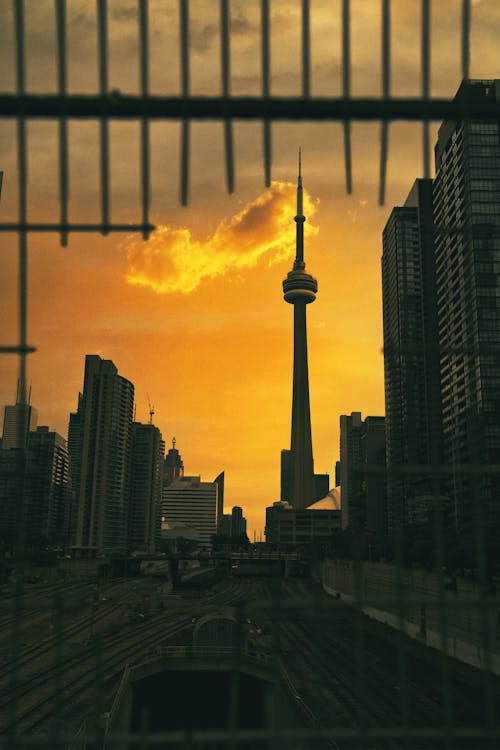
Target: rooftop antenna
column 173, row 443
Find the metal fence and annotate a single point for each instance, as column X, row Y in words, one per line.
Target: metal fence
column 105, row 106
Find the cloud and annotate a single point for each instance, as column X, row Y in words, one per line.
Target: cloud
column 173, row 261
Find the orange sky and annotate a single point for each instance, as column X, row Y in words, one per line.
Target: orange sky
column 204, row 329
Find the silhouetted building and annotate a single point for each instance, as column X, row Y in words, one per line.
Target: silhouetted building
column 238, row 522
column 467, row 250
column 224, row 524
column 174, row 467
column 35, row 491
column 285, row 474
column 219, row 480
column 287, row 527
column 362, row 472
column 411, row 356
column 189, row 501
column 300, row 289
column 18, row 421
column 146, row 478
column 99, row 442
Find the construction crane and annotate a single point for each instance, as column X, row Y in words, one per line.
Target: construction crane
column 151, row 409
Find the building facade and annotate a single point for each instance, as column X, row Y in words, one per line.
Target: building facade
column 362, row 473
column 193, row 503
column 147, row 456
column 467, row 249
column 411, row 357
column 99, row 442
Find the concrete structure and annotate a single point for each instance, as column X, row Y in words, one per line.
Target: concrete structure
column 146, row 477
column 190, row 501
column 447, row 613
column 99, row 443
column 411, row 356
column 467, row 202
column 300, row 289
column 321, row 481
column 362, row 472
column 288, row 527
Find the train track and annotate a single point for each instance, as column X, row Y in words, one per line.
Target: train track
column 50, row 691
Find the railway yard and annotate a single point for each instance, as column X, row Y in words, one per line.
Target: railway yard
column 64, row 645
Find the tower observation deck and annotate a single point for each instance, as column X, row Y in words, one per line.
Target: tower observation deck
column 299, row 289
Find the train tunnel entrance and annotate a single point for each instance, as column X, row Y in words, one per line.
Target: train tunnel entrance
column 193, row 700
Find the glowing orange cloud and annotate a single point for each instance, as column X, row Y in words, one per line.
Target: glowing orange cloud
column 173, row 261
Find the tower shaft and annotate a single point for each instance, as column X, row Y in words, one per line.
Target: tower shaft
column 302, row 468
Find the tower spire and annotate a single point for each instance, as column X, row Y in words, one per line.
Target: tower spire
column 300, row 219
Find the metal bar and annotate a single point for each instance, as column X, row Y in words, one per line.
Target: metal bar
column 117, row 106
column 266, row 88
column 144, row 85
column 17, row 349
column 226, row 81
column 386, row 89
column 466, row 17
column 185, row 133
column 102, row 33
column 26, row 226
column 63, row 125
column 426, row 82
column 346, row 89
column 306, row 50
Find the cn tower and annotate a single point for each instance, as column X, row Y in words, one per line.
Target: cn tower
column 299, row 289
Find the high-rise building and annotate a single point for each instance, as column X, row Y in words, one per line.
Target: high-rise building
column 441, row 289
column 300, row 289
column 362, row 473
column 411, row 358
column 35, row 491
column 18, row 421
column 146, row 477
column 174, row 467
column 99, row 443
column 190, row 502
column 467, row 249
column 47, row 488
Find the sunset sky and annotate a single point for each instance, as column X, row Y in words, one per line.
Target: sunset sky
column 195, row 316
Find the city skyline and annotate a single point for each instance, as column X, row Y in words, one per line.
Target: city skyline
column 194, row 351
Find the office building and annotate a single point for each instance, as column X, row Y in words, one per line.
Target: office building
column 299, row 289
column 18, row 421
column 191, row 502
column 288, row 528
column 441, row 291
column 99, row 443
column 362, row 473
column 35, row 492
column 147, row 455
column 467, row 250
column 411, row 357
